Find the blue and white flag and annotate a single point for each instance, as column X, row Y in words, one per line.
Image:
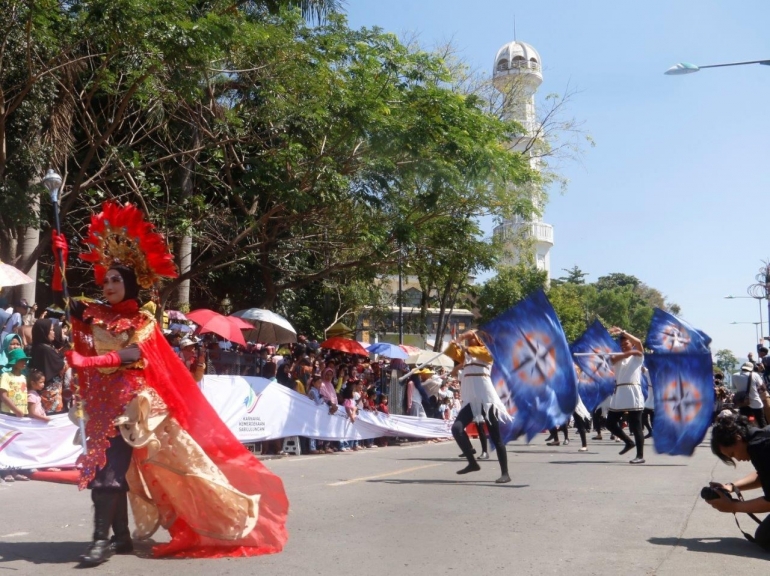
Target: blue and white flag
column 532, row 356
column 683, row 385
column 596, row 379
column 671, row 335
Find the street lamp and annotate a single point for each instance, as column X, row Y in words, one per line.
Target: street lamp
column 759, row 301
column 686, row 68
column 756, row 326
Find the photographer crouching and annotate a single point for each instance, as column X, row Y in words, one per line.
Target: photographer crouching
column 732, row 439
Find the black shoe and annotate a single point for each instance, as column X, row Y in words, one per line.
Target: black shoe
column 504, row 479
column 637, row 460
column 121, row 546
column 98, row 552
column 470, row 468
column 627, row 448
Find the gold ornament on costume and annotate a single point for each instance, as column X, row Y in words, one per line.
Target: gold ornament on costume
column 119, row 235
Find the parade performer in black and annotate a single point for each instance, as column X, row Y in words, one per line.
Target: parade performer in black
column 481, row 402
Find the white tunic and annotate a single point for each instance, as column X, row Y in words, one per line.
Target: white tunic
column 628, row 390
column 476, row 389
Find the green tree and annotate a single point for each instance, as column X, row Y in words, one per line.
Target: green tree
column 511, row 285
column 726, row 360
column 569, row 302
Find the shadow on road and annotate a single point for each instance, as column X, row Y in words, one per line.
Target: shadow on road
column 483, row 483
column 42, row 552
column 729, row 546
column 617, row 462
column 58, row 552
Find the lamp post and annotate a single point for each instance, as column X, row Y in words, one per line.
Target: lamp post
column 226, row 305
column 53, row 181
column 683, row 68
column 756, row 326
column 759, row 299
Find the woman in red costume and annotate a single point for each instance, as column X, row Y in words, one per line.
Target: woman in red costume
column 152, row 436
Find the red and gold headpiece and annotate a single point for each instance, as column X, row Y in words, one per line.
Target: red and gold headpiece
column 119, row 235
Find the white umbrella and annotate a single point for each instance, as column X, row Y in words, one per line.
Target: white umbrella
column 10, row 276
column 429, row 356
column 269, row 327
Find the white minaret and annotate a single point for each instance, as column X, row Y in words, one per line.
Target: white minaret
column 518, row 75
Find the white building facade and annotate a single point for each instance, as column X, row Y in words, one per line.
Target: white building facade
column 518, row 73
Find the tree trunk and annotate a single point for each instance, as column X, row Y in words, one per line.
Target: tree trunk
column 30, row 238
column 184, row 247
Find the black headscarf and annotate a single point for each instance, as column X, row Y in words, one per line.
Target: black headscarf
column 44, row 357
column 129, row 282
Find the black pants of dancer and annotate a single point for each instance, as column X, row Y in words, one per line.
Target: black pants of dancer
column 634, row 423
column 648, row 419
column 580, row 424
column 464, row 418
column 599, row 421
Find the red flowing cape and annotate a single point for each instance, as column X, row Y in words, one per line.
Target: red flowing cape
column 166, row 373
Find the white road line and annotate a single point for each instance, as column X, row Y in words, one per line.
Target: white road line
column 14, row 534
column 394, row 473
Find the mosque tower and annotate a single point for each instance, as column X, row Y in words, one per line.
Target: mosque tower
column 518, row 74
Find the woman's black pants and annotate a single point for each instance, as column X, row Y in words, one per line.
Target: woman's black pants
column 464, row 418
column 634, row 423
column 762, row 535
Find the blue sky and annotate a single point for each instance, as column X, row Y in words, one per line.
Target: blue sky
column 676, row 189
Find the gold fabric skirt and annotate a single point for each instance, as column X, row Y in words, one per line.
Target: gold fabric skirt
column 171, row 477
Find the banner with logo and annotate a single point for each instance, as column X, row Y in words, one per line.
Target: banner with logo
column 27, row 443
column 256, row 410
column 253, row 408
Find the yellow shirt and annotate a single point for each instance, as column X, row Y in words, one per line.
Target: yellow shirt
column 16, row 387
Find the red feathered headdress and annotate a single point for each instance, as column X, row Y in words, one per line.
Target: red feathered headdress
column 121, row 235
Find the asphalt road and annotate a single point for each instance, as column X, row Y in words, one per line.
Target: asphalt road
column 403, row 511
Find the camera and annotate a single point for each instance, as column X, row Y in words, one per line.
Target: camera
column 711, row 493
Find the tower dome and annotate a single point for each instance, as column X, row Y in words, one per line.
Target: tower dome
column 518, row 58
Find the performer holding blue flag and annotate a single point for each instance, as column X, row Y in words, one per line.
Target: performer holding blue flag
column 628, row 397
column 481, row 402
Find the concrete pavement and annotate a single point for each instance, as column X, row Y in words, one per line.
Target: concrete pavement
column 405, row 511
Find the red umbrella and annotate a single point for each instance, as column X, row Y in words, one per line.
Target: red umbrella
column 344, row 345
column 210, row 321
column 241, row 324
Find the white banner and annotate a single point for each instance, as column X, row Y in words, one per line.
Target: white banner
column 253, row 408
column 256, row 410
column 27, row 443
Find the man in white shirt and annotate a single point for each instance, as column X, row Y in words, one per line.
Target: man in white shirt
column 747, row 383
column 628, row 397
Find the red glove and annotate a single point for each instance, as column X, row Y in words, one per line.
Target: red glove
column 59, row 243
column 76, row 360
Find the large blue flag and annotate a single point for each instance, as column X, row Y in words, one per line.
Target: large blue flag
column 671, row 335
column 596, row 379
column 683, row 385
column 533, row 358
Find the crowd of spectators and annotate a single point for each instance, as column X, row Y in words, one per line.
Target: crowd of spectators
column 338, row 380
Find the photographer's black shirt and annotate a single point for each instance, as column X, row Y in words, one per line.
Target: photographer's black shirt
column 759, row 452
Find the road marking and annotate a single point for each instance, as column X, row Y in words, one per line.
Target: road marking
column 395, row 473
column 14, row 534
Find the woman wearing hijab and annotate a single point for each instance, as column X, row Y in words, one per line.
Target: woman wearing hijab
column 10, row 342
column 284, row 376
column 152, row 436
column 46, row 359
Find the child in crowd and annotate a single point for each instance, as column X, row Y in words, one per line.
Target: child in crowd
column 314, row 393
column 13, row 396
column 35, row 383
